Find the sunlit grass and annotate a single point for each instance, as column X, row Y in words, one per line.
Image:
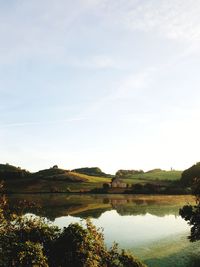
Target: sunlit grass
column 157, row 175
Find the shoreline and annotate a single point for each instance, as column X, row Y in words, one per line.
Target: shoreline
column 95, row 193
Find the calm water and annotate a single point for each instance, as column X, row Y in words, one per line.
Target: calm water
column 149, row 226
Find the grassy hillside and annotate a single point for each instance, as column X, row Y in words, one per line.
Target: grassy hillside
column 153, row 176
column 59, row 180
column 92, row 171
column 56, row 174
column 160, row 175
column 54, row 180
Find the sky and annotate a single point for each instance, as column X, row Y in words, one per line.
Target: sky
column 107, row 83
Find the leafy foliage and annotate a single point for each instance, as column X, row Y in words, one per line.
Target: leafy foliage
column 29, row 254
column 29, row 241
column 189, row 175
column 192, row 213
column 85, row 247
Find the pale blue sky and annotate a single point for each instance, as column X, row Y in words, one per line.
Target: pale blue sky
column 108, row 83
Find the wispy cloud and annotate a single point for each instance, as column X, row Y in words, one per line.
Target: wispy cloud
column 173, row 19
column 130, row 87
column 32, row 123
column 43, row 30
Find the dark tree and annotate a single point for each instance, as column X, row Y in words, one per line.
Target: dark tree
column 189, row 175
column 192, row 213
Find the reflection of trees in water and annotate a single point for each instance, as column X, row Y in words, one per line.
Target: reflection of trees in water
column 96, row 213
column 106, row 201
column 57, row 205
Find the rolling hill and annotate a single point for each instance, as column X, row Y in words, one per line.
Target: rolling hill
column 49, row 180
column 55, row 179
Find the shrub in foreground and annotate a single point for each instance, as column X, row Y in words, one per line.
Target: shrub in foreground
column 33, row 242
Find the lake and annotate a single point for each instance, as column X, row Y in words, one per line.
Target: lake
column 147, row 225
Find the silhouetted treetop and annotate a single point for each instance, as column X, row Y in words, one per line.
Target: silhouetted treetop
column 189, row 175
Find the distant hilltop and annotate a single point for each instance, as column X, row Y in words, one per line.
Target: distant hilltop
column 10, row 171
column 6, row 170
column 93, row 171
column 84, row 179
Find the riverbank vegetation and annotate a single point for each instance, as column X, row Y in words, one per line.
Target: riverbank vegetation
column 191, row 213
column 30, row 241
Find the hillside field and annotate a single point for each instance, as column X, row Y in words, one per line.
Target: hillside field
column 58, row 180
column 154, row 176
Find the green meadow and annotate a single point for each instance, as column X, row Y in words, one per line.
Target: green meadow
column 56, row 179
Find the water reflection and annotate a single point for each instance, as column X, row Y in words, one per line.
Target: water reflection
column 57, row 205
column 147, row 225
column 133, row 230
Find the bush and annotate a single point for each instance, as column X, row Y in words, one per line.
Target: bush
column 192, row 213
column 32, row 241
column 29, row 254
